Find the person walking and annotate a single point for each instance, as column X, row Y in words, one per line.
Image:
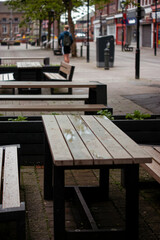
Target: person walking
column 65, row 40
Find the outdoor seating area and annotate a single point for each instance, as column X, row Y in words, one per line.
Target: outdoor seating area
column 75, row 173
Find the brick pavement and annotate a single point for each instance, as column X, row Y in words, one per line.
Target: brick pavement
column 120, row 82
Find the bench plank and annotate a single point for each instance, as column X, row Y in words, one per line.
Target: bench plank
column 69, row 107
column 54, row 76
column 45, row 84
column 60, row 151
column 43, row 97
column 11, row 194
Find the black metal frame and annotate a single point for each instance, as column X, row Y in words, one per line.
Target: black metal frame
column 54, row 188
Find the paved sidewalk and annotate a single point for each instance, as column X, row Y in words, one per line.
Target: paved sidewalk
column 121, row 83
column 125, row 94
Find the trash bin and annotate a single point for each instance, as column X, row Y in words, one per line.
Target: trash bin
column 103, row 42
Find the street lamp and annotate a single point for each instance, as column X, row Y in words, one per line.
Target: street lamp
column 100, row 22
column 52, row 14
column 88, row 31
column 123, row 7
column 137, row 67
column 155, row 30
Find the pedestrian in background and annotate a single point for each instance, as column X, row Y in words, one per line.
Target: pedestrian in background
column 65, row 40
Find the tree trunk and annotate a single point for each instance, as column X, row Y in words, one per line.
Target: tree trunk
column 71, row 25
column 49, row 31
column 40, row 32
column 69, row 7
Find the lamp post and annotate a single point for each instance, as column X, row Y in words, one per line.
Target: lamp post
column 122, row 6
column 155, row 30
column 52, row 14
column 137, row 67
column 100, row 23
column 88, row 31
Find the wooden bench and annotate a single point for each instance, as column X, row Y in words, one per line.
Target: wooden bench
column 127, row 48
column 11, row 209
column 7, row 77
column 65, row 74
column 13, row 60
column 97, row 97
column 153, row 168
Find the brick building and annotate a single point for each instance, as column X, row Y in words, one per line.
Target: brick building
column 10, row 23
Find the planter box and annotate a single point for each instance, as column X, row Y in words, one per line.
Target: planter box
column 31, row 137
column 9, row 69
column 142, row 131
column 29, row 134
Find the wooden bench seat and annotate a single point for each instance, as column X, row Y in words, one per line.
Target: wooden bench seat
column 11, row 209
column 43, row 97
column 46, row 108
column 153, row 168
column 65, row 74
column 7, row 77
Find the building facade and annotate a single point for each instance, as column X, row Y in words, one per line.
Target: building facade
column 10, row 24
column 113, row 20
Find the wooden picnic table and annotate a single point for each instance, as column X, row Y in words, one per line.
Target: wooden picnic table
column 90, row 142
column 29, row 71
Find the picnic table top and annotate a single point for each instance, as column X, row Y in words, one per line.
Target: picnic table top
column 90, row 140
column 28, row 65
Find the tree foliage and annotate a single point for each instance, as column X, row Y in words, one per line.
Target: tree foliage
column 40, row 10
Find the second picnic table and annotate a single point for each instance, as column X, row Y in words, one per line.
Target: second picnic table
column 29, row 71
column 90, row 142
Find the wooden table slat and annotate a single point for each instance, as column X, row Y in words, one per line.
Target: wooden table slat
column 96, row 149
column 60, row 153
column 79, row 151
column 127, row 143
column 113, row 147
column 28, row 64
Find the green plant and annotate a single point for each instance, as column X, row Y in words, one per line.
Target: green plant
column 106, row 113
column 18, row 119
column 53, row 113
column 137, row 115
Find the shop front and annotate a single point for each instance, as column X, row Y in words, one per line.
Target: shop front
column 120, row 29
column 156, row 23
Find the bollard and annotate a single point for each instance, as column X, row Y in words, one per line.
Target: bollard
column 106, row 59
column 81, row 50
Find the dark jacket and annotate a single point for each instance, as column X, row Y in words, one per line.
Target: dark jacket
column 61, row 37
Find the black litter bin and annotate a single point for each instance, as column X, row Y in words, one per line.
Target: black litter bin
column 101, row 44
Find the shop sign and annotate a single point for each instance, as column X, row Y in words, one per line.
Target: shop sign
column 131, row 21
column 111, row 21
